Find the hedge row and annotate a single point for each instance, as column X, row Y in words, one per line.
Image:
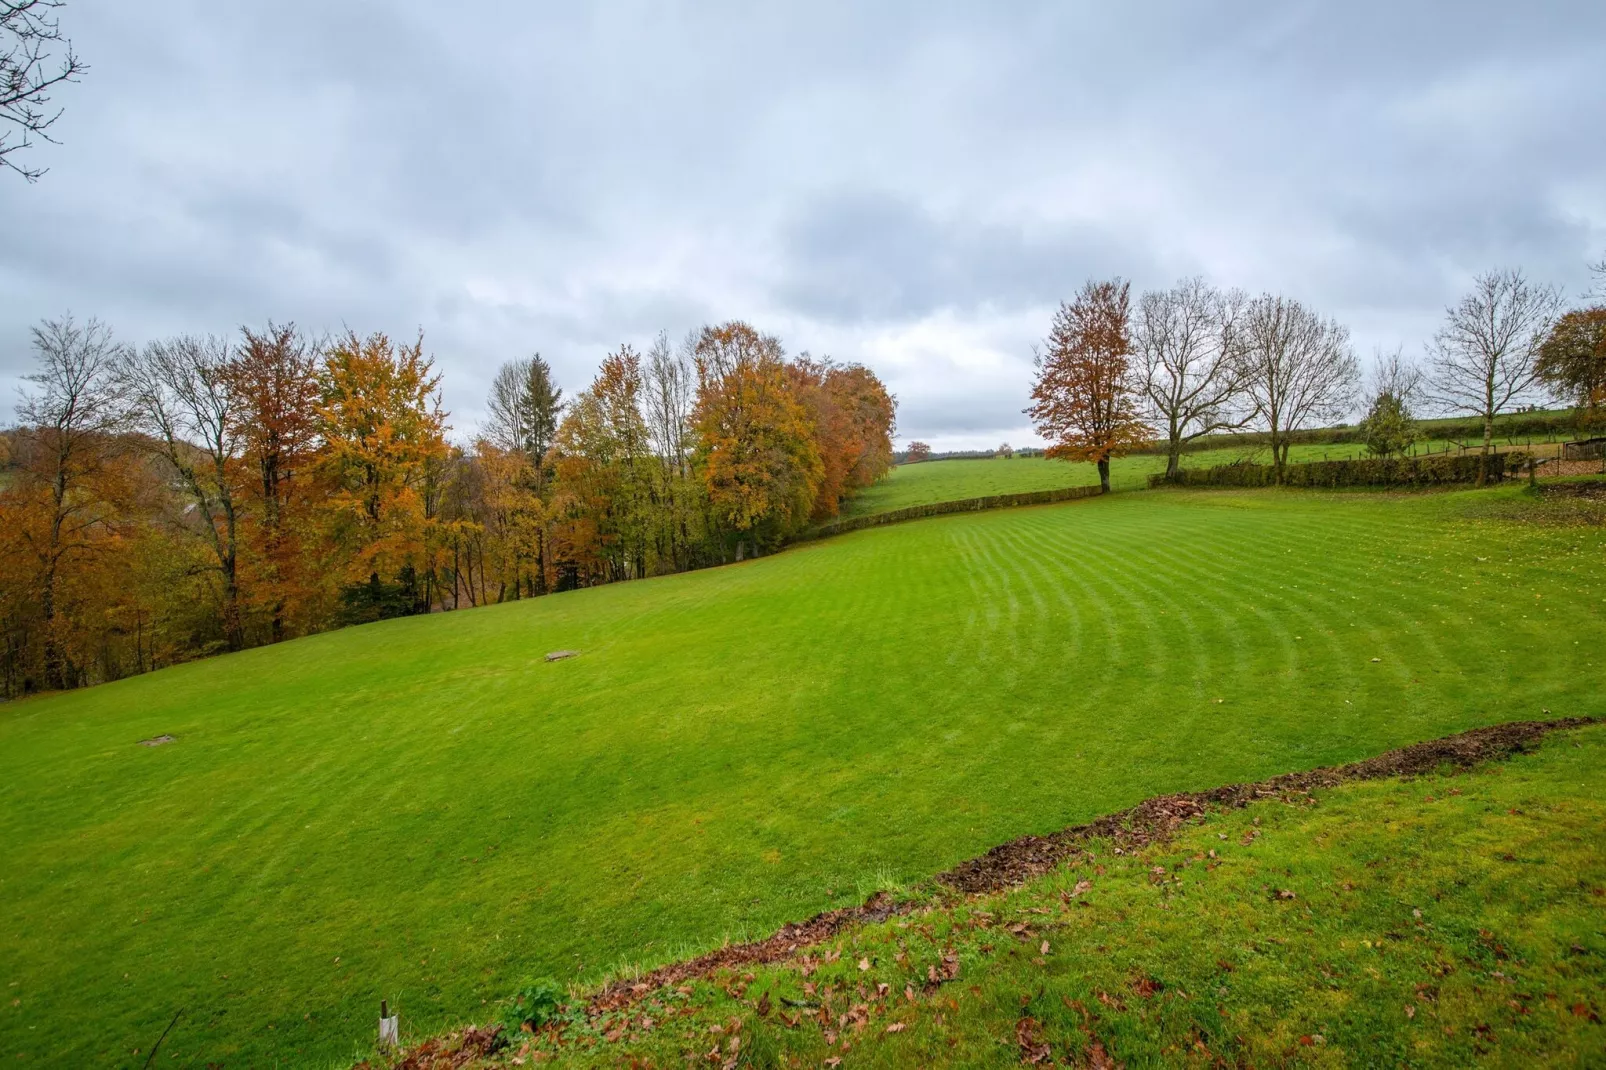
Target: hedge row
column 1456, row 429
column 1371, row 472
column 965, row 505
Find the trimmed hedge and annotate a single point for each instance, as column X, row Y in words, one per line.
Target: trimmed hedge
column 1372, row 472
column 1508, row 426
column 964, row 505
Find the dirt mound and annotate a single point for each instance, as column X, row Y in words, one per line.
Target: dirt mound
column 1011, row 864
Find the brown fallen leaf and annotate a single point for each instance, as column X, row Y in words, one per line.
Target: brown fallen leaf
column 1099, row 1059
column 1044, row 947
column 764, row 1005
column 864, row 964
column 1029, row 1038
column 1410, row 1011
column 1147, row 987
column 897, row 1027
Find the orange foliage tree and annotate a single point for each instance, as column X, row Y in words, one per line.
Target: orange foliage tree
column 853, row 419
column 1083, row 396
column 66, row 496
column 760, row 461
column 382, row 425
column 1572, row 361
column 274, row 380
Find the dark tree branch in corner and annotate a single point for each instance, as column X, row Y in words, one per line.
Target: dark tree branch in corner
column 29, row 70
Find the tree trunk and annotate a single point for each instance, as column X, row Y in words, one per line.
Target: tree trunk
column 1104, row 474
column 1488, row 440
column 1173, row 461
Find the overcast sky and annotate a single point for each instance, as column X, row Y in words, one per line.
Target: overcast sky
column 913, row 186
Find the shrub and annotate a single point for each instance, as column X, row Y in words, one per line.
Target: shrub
column 535, row 1004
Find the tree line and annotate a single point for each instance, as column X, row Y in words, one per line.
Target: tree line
column 1114, row 376
column 201, row 494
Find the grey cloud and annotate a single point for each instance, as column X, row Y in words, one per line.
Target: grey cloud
column 909, row 184
column 871, row 257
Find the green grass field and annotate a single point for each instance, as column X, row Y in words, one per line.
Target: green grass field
column 1446, row 921
column 954, row 480
column 424, row 810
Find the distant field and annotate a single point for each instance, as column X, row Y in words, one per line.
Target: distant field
column 953, row 480
column 424, row 810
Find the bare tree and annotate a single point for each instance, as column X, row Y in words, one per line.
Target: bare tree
column 1396, row 376
column 1483, row 360
column 524, row 406
column 1390, row 426
column 1296, row 368
column 1191, row 383
column 669, row 395
column 29, row 71
column 180, row 394
column 74, row 410
column 671, row 392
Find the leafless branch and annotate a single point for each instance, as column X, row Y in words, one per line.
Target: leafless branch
column 29, row 71
column 1297, row 368
column 1190, row 381
column 1483, row 359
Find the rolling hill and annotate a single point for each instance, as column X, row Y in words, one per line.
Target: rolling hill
column 426, row 809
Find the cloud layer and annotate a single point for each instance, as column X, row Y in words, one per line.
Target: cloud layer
column 913, row 186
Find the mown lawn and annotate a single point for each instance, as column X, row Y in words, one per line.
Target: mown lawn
column 1445, row 921
column 424, row 810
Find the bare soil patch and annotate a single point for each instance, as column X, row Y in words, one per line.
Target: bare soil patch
column 155, row 741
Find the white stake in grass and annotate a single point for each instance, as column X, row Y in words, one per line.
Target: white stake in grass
column 389, row 1027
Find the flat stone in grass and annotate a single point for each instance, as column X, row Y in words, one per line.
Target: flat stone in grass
column 559, row 655
column 155, row 741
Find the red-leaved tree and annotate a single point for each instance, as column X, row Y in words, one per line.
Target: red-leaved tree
column 1084, row 399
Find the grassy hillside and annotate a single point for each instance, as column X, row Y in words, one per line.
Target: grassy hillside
column 424, row 809
column 1440, row 921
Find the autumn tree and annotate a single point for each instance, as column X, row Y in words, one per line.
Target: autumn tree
column 381, row 423
column 1484, row 359
column 1185, row 340
column 852, row 416
column 1572, row 361
column 61, row 499
column 759, row 458
column 273, row 378
column 1297, row 369
column 30, row 71
column 180, row 397
column 915, row 452
column 1084, row 400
